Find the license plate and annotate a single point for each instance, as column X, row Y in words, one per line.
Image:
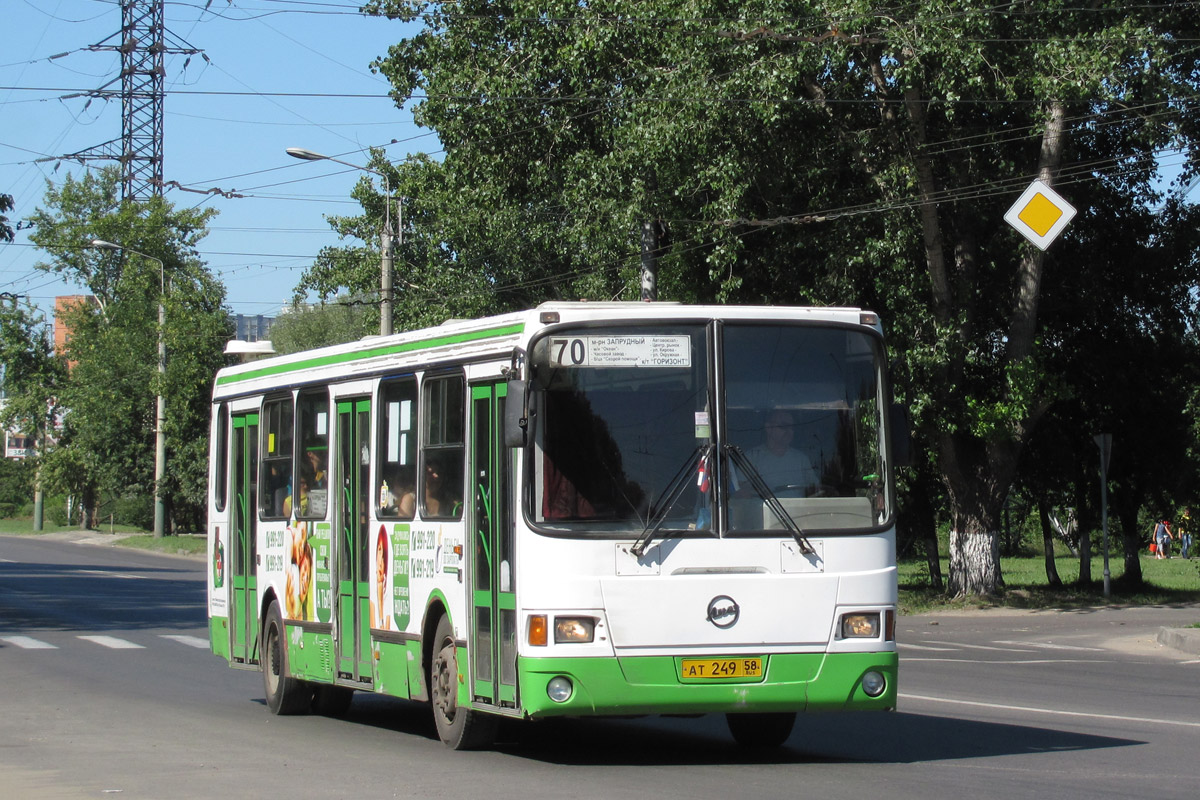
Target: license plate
column 717, row 668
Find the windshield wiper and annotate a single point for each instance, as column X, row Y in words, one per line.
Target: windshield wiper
column 670, row 497
column 742, row 462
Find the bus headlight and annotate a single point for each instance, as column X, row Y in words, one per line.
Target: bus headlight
column 559, row 689
column 873, row 683
column 860, row 626
column 574, row 629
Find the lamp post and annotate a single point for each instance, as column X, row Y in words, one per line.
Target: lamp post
column 160, row 413
column 388, row 239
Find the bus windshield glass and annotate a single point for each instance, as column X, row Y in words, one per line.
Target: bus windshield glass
column 633, row 433
column 803, row 409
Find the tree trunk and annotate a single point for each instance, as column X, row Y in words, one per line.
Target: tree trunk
column 1133, row 543
column 1048, row 545
column 974, row 563
column 1085, row 557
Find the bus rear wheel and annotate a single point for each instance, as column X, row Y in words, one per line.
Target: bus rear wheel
column 458, row 727
column 285, row 695
column 761, row 730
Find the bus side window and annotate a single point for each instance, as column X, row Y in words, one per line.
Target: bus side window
column 443, row 447
column 220, row 482
column 274, row 485
column 396, row 454
column 311, row 481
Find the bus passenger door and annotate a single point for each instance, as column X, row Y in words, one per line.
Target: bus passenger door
column 243, row 610
column 493, row 651
column 353, row 616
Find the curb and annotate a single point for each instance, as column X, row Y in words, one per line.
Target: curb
column 1186, row 640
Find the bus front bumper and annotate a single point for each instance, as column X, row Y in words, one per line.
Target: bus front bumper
column 656, row 685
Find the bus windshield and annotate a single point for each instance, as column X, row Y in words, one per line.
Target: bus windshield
column 632, row 432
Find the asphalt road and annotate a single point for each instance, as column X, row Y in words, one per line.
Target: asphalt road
column 107, row 689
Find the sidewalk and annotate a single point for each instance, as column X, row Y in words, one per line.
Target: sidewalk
column 1186, row 640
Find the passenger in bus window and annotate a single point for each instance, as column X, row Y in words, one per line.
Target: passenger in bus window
column 278, row 493
column 398, row 494
column 440, row 498
column 786, row 471
column 561, row 499
column 316, row 465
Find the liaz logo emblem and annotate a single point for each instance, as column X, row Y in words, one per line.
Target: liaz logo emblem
column 723, row 611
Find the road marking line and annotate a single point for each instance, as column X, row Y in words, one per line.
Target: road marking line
column 1050, row 711
column 110, row 574
column 1052, row 646
column 190, row 641
column 112, row 642
column 984, row 647
column 907, row 646
column 28, row 643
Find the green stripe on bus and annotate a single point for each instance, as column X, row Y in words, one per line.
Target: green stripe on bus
column 375, row 352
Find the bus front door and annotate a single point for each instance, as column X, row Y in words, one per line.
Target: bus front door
column 493, row 650
column 354, row 617
column 244, row 599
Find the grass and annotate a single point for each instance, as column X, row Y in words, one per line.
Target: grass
column 1166, row 582
column 123, row 535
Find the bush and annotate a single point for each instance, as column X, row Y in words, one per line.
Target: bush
column 16, row 484
column 54, row 507
column 136, row 511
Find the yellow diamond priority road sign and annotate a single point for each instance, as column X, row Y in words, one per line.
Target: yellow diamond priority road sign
column 1040, row 214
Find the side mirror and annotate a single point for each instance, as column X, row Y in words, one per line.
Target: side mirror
column 515, row 422
column 901, row 431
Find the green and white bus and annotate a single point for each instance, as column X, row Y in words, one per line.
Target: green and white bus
column 584, row 509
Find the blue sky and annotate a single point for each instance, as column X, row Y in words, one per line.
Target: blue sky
column 226, row 125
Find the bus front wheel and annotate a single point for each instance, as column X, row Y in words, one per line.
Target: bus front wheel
column 761, row 730
column 285, row 695
column 458, row 727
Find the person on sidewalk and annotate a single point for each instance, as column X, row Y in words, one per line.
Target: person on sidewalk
column 1162, row 538
column 1183, row 532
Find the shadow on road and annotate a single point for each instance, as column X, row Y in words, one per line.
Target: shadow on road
column 895, row 738
column 57, row 597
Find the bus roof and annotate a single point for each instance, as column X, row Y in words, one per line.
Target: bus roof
column 487, row 337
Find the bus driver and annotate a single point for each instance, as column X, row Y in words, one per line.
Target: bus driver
column 784, row 469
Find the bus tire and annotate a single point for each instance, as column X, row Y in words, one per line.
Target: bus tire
column 332, row 701
column 458, row 727
column 285, row 695
column 767, row 730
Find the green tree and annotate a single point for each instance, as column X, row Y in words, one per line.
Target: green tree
column 306, row 327
column 798, row 152
column 108, row 440
column 433, row 281
column 33, row 377
column 6, row 231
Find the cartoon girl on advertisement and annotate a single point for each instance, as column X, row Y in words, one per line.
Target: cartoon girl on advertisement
column 379, row 617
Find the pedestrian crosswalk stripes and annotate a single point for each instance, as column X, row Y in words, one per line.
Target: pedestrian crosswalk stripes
column 111, row 642
column 190, row 641
column 28, row 643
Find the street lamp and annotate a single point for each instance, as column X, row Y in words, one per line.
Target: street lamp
column 388, row 240
column 160, row 415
